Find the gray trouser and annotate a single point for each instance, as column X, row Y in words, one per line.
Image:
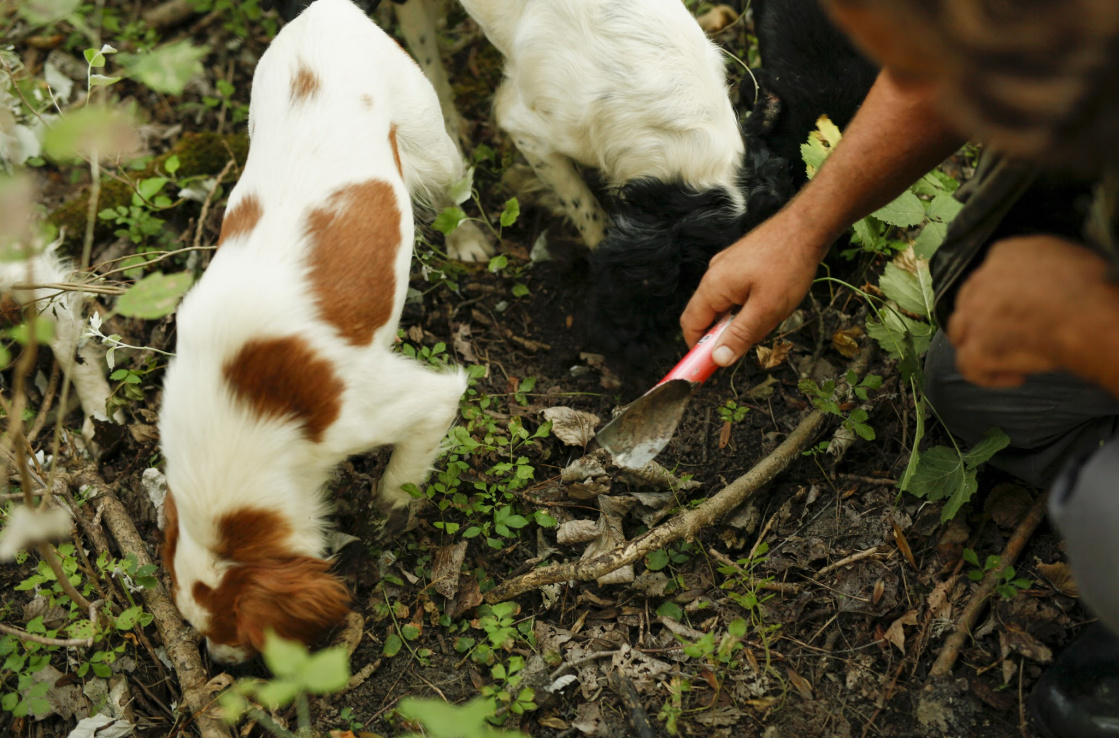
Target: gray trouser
column 1064, row 434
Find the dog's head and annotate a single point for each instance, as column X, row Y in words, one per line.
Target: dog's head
column 250, row 583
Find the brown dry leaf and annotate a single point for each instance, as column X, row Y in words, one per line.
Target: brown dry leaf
column 446, row 567
column 769, row 358
column 895, row 634
column 462, row 345
column 908, row 260
column 1008, row 503
column 724, row 434
column 903, row 544
column 1022, row 642
column 716, row 19
column 800, row 683
column 350, row 635
column 1060, row 576
column 415, row 334
column 879, row 590
column 846, row 341
column 763, row 389
column 573, row 427
column 951, row 543
column 553, row 722
column 939, row 604
column 342, row 734
column 143, row 433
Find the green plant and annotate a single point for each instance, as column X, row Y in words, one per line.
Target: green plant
column 441, row 720
column 1008, row 585
column 347, row 714
column 673, row 708
column 298, row 674
column 826, row 398
column 732, row 412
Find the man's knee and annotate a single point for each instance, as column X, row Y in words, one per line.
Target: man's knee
column 1085, row 507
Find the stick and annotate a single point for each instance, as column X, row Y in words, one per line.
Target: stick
column 180, row 646
column 684, row 525
column 638, row 718
column 951, row 649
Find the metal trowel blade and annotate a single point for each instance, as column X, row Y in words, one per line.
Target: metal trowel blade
column 645, row 427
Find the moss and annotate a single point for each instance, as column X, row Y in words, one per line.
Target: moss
column 200, row 154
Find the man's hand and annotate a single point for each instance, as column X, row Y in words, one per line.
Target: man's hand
column 768, row 273
column 1037, row 304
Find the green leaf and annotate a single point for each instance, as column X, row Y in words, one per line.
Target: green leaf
column 994, row 440
column 393, row 644
column 511, row 212
column 899, row 335
column 154, row 296
column 100, row 80
column 449, row 220
column 819, row 145
column 277, row 692
column 971, row 557
column 520, row 290
column 944, row 208
column 940, row 474
column 906, row 211
column 171, row 165
column 912, row 292
column 94, row 58
column 656, row 560
column 148, row 188
column 671, row 610
column 168, row 68
column 410, row 632
column 459, row 192
column 327, row 671
column 442, row 719
column 284, row 658
column 45, row 12
column 498, row 263
column 90, row 128
column 543, row 519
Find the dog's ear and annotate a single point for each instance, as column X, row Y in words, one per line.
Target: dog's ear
column 297, row 598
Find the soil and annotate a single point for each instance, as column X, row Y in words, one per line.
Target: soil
column 827, row 651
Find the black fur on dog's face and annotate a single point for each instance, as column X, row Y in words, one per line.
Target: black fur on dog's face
column 661, row 237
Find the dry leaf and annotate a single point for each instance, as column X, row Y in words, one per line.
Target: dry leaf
column 879, row 590
column 763, row 389
column 769, row 358
column 845, row 341
column 939, row 604
column 724, row 434
column 1008, row 503
column 800, row 683
column 895, row 634
column 903, row 545
column 415, row 334
column 1059, row 575
column 573, row 427
column 1022, row 642
column 576, row 531
column 716, row 19
column 462, row 345
column 446, row 568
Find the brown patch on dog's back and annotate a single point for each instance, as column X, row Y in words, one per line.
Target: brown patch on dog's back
column 285, row 378
column 304, row 85
column 395, row 150
column 249, row 534
column 355, row 237
column 241, row 218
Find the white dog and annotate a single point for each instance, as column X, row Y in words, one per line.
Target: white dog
column 284, row 362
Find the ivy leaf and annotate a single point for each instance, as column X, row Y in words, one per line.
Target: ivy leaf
column 459, row 192
column 154, row 296
column 940, row 473
column 326, row 671
column 168, row 68
column 906, row 211
column 511, row 212
column 284, row 658
column 449, row 220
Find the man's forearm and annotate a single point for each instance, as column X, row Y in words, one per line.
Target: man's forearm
column 896, row 138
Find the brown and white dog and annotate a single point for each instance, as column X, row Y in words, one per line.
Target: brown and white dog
column 284, row 362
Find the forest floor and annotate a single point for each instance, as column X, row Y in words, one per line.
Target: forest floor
column 816, row 608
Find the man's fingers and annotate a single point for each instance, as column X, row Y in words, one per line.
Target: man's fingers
column 702, row 310
column 744, row 331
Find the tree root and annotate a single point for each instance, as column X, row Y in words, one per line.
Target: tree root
column 946, row 659
column 685, row 525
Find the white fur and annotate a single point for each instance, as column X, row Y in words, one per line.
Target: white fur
column 632, row 88
column 220, row 456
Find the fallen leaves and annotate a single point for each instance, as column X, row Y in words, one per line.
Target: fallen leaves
column 573, row 427
column 771, row 358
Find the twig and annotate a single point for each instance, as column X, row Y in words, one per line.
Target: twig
column 859, row 556
column 23, row 635
column 93, row 289
column 951, row 649
column 638, row 718
column 580, row 661
column 206, row 204
column 48, row 400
